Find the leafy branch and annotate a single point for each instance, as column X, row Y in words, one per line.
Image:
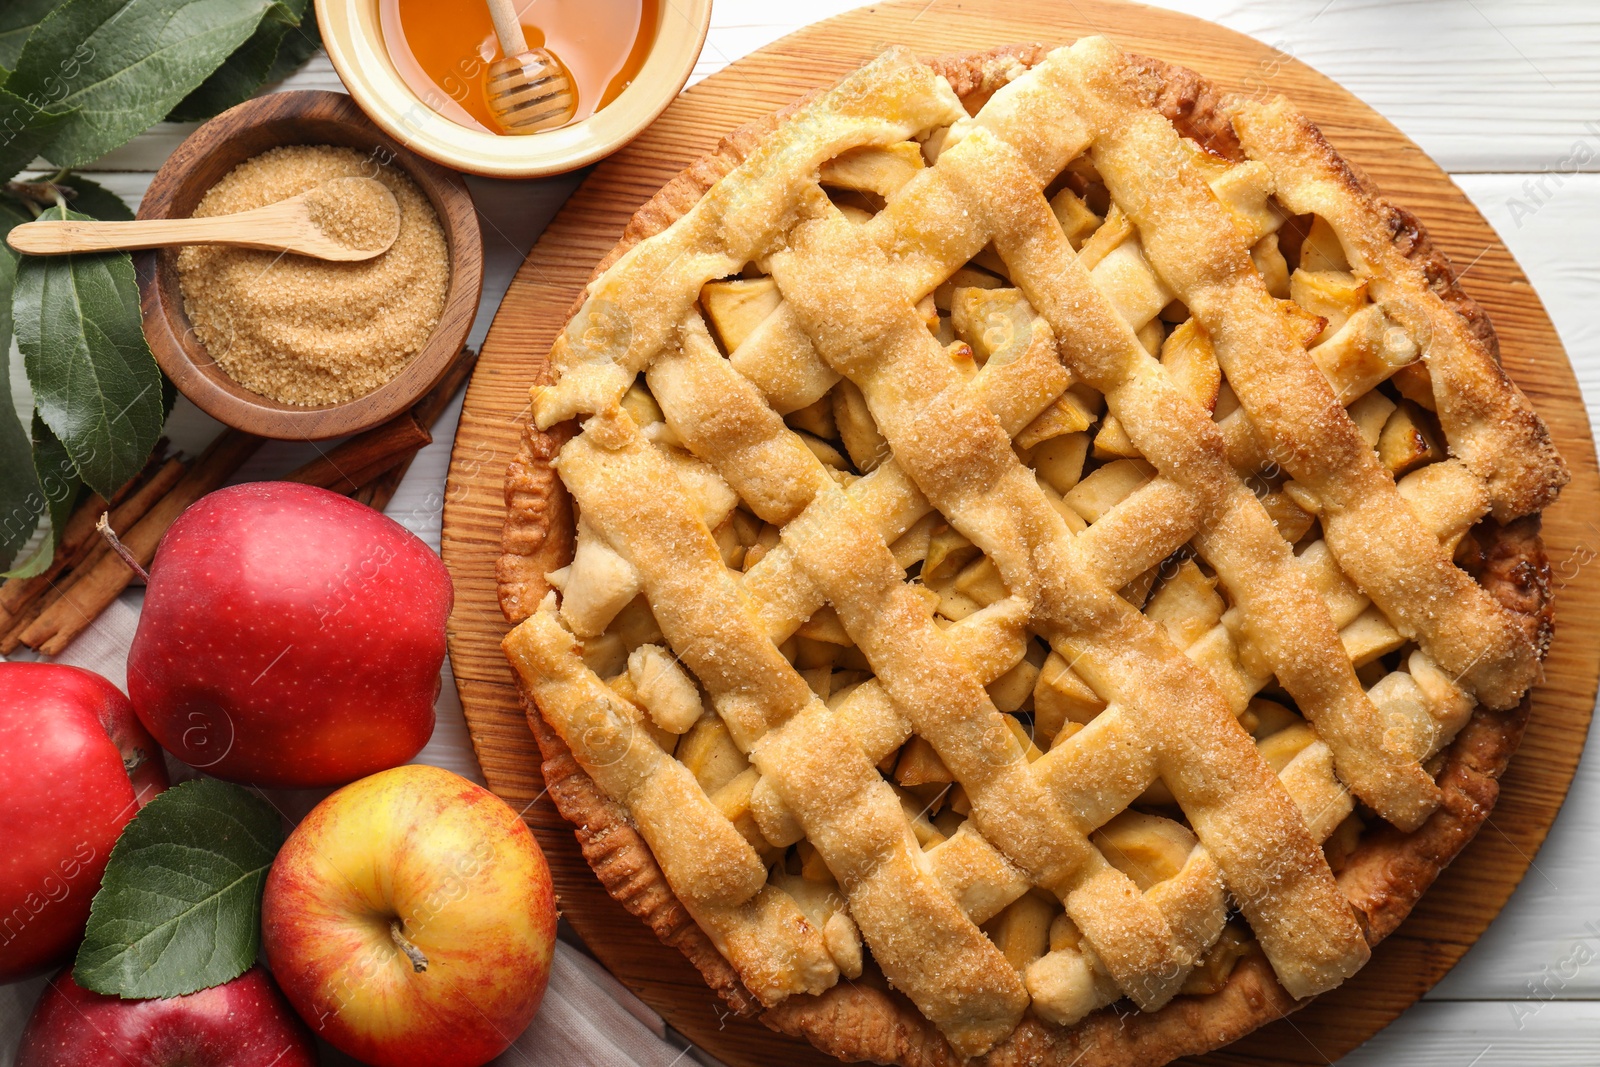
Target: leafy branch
column 77, row 80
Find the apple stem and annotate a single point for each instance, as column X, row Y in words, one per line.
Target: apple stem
column 104, row 526
column 419, row 962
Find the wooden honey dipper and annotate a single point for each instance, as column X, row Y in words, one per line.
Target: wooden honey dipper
column 528, row 88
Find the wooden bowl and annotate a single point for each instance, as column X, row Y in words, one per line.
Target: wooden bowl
column 316, row 118
column 354, row 41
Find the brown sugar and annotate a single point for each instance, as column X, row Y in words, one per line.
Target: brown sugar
column 306, row 331
column 354, row 212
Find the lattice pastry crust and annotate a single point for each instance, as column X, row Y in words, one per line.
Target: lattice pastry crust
column 1030, row 508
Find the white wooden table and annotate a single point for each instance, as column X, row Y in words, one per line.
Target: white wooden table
column 1505, row 95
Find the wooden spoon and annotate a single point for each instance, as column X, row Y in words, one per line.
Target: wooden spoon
column 528, row 89
column 306, row 225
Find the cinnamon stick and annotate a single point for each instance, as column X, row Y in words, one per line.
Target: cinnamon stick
column 100, row 583
column 356, row 461
column 377, row 493
column 24, row 618
column 80, row 544
column 23, row 600
column 49, row 611
column 77, row 536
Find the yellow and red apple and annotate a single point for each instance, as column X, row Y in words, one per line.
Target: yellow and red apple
column 410, row 919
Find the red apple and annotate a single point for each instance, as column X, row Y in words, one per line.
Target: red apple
column 242, row 1023
column 290, row 637
column 410, row 920
column 75, row 765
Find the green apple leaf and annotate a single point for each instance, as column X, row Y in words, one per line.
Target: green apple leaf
column 96, row 201
column 21, row 501
column 58, row 476
column 116, row 66
column 299, row 45
column 180, row 906
column 25, row 129
column 252, row 66
column 17, row 20
column 61, row 487
column 58, row 484
column 94, row 381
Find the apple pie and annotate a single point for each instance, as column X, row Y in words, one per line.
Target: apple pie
column 1026, row 558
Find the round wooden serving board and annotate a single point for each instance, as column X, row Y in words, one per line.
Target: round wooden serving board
column 1466, row 897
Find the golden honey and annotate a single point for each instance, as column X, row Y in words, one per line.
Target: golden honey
column 443, row 49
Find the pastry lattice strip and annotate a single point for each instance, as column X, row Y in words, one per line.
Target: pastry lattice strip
column 1327, row 690
column 1345, row 716
column 1373, row 533
column 1017, row 563
column 803, row 741
column 695, row 384
column 991, row 640
column 964, row 463
column 1012, row 792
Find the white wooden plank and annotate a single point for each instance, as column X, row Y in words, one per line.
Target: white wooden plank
column 128, row 184
column 16, row 1004
column 1476, row 1034
column 1546, row 943
column 1555, row 235
column 739, row 27
column 1468, row 82
column 1485, row 85
column 1481, row 85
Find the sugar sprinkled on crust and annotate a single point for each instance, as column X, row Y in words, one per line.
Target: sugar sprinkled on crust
column 1384, row 878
